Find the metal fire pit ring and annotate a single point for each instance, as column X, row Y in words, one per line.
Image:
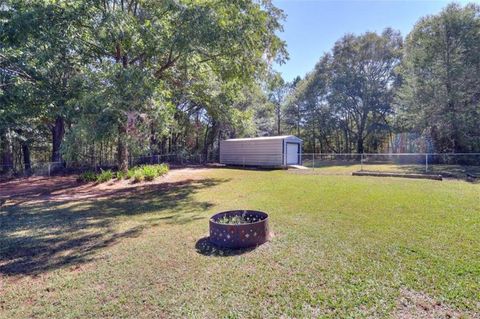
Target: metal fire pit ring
column 240, row 235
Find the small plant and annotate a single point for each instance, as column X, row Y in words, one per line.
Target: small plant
column 130, row 173
column 162, row 169
column 121, row 175
column 104, row 176
column 234, row 220
column 87, row 177
column 144, row 173
column 150, row 172
column 138, row 176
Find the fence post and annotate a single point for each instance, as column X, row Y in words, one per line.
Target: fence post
column 313, row 160
column 361, row 162
column 426, row 162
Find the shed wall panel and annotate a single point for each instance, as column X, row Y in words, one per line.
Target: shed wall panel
column 252, row 152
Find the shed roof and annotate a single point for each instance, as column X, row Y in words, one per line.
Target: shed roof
column 280, row 137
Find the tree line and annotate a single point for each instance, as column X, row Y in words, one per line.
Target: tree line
column 373, row 87
column 98, row 81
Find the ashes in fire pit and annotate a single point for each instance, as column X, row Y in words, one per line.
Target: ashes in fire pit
column 239, row 229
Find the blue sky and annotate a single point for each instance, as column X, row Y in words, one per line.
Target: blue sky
column 313, row 26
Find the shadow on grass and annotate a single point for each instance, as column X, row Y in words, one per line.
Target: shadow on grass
column 206, row 248
column 37, row 237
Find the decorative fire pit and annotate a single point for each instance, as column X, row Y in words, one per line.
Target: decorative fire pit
column 239, row 229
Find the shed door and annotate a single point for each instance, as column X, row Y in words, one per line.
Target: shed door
column 292, row 153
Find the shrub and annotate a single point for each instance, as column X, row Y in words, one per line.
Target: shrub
column 150, row 172
column 87, row 177
column 104, row 176
column 138, row 176
column 130, row 173
column 162, row 169
column 121, row 175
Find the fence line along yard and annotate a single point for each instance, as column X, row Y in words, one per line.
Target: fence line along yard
column 446, row 164
column 459, row 165
column 49, row 168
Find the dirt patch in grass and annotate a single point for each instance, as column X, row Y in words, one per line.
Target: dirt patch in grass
column 414, row 304
column 66, row 188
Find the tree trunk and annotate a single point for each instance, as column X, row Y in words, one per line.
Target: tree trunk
column 298, row 121
column 360, row 135
column 58, row 132
column 359, row 145
column 26, row 157
column 279, row 118
column 163, row 145
column 7, row 154
column 122, row 149
column 197, row 133
column 153, row 140
column 205, row 143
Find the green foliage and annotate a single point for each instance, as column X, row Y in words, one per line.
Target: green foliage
column 105, row 176
column 439, row 97
column 100, row 78
column 138, row 176
column 161, row 169
column 103, row 72
column 149, row 172
column 346, row 102
column 121, row 175
column 146, row 172
column 277, row 91
column 130, row 173
column 233, row 220
column 87, row 177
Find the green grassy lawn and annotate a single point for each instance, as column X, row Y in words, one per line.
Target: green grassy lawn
column 344, row 246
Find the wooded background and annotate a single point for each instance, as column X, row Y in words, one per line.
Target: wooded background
column 92, row 82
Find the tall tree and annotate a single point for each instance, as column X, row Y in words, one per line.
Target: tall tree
column 118, row 66
column 440, row 93
column 157, row 41
column 347, row 100
column 44, row 54
column 363, row 80
column 293, row 114
column 277, row 91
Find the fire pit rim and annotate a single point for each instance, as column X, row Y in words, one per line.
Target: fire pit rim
column 239, row 236
column 221, row 214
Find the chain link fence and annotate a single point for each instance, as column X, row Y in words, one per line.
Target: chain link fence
column 68, row 167
column 454, row 165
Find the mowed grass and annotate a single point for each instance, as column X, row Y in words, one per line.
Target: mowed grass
column 344, row 246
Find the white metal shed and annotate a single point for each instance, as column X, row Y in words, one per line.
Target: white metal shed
column 271, row 151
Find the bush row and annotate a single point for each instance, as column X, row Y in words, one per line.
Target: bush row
column 136, row 174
